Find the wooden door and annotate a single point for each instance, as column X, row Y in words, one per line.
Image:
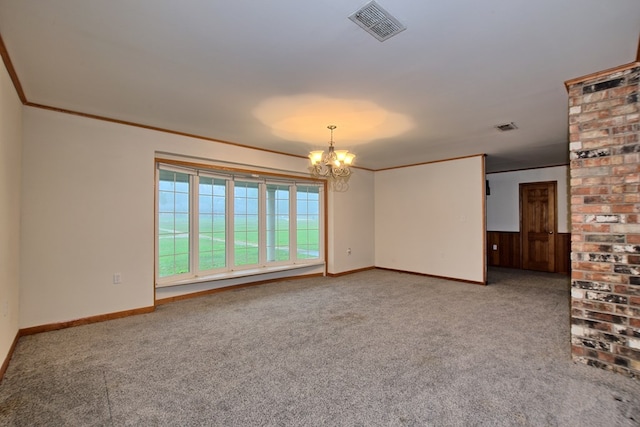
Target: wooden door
column 538, row 225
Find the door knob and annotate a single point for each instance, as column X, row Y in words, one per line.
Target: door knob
column 551, row 232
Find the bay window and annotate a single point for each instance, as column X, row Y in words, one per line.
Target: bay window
column 215, row 224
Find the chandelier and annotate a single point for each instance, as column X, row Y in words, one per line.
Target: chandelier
column 333, row 164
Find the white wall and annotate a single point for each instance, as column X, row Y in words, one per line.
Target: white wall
column 503, row 205
column 88, row 212
column 88, row 209
column 10, row 165
column 430, row 219
column 351, row 224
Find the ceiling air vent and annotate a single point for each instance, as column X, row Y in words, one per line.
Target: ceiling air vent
column 506, row 126
column 377, row 21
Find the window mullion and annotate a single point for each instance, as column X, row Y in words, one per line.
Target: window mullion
column 230, row 223
column 262, row 224
column 321, row 223
column 194, row 227
column 293, row 223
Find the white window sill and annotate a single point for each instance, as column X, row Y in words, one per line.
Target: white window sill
column 238, row 273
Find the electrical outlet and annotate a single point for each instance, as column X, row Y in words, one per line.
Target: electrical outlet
column 495, row 247
column 349, row 251
column 117, row 278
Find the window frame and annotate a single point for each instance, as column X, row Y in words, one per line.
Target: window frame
column 231, row 176
column 197, row 230
column 182, row 276
column 292, row 244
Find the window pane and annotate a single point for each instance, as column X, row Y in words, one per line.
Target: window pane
column 166, row 201
column 173, row 223
column 166, row 182
column 277, row 223
column 240, row 190
column 205, row 244
column 219, row 204
column 181, row 224
column 252, row 222
column 239, row 224
column 206, row 223
column 206, row 187
column 307, row 223
column 205, row 203
column 212, row 227
column 182, row 202
column 165, row 223
column 182, row 263
column 220, row 189
column 166, row 245
column 205, row 261
column 166, row 266
column 246, row 224
column 181, row 182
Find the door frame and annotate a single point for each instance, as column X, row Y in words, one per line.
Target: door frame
column 554, row 232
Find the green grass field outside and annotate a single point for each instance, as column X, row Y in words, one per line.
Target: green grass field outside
column 173, row 245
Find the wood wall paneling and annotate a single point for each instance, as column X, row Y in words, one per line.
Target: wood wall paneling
column 507, row 252
column 563, row 253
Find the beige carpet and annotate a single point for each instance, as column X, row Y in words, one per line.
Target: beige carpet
column 376, row 348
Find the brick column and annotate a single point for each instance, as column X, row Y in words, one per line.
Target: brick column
column 604, row 119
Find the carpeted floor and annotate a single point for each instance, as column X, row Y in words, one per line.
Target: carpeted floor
column 376, row 348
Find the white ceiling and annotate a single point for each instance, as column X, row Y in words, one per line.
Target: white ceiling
column 273, row 74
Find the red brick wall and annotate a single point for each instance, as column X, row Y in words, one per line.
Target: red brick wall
column 604, row 119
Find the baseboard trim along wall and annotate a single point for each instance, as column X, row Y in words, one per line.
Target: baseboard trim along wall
column 84, row 321
column 453, row 279
column 110, row 316
column 5, row 364
column 344, row 273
